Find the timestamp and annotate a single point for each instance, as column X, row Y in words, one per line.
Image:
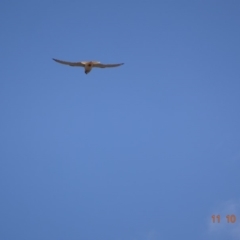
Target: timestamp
column 229, row 218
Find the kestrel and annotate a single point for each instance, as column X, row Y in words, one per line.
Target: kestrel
column 88, row 65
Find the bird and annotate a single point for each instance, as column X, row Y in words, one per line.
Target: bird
column 88, row 65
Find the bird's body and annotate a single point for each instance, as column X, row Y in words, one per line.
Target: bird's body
column 88, row 65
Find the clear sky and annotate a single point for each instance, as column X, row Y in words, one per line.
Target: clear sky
column 146, row 151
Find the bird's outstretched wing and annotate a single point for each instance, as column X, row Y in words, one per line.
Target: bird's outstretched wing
column 101, row 65
column 73, row 64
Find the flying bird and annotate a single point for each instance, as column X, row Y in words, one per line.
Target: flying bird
column 88, row 65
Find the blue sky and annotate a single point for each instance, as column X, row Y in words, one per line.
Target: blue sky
column 146, row 151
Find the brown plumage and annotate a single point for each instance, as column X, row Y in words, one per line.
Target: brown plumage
column 88, row 65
